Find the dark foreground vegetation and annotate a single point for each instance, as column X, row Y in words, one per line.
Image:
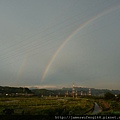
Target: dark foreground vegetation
column 44, row 106
column 57, row 105
column 22, row 101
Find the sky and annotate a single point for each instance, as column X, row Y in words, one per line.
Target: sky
column 53, row 43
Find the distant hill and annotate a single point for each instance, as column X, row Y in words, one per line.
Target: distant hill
column 48, row 92
column 45, row 92
column 10, row 90
column 95, row 92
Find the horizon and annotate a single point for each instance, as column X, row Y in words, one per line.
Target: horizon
column 56, row 87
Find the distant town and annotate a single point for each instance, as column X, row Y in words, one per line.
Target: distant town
column 74, row 91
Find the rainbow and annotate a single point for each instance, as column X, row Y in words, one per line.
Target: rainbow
column 74, row 33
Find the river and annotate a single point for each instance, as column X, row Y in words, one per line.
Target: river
column 96, row 109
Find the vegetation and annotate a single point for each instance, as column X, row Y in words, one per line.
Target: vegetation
column 45, row 106
column 13, row 90
column 50, row 104
column 110, row 104
column 56, row 106
column 109, row 95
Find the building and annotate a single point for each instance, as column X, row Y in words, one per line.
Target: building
column 89, row 92
column 73, row 90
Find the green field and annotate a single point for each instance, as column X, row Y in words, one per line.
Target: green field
column 57, row 106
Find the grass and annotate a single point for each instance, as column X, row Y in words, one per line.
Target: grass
column 57, row 106
column 43, row 106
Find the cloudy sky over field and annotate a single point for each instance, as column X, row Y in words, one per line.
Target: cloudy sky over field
column 57, row 42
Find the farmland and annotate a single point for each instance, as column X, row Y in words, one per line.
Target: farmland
column 45, row 106
column 35, row 105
